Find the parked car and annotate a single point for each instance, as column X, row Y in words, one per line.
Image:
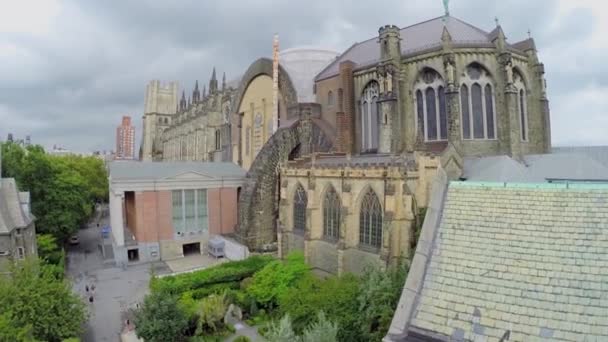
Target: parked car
column 74, row 240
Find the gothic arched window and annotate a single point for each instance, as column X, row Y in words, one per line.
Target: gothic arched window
column 430, row 106
column 218, row 140
column 477, row 103
column 300, row 202
column 370, row 221
column 331, row 214
column 369, row 118
column 522, row 107
column 330, row 98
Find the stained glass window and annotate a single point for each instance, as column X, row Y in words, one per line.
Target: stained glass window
column 300, row 202
column 443, row 118
column 370, row 221
column 420, row 107
column 331, row 214
column 490, row 110
column 522, row 115
column 466, row 123
column 478, row 121
column 431, row 114
column 369, row 118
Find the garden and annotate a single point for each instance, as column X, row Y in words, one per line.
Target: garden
column 283, row 299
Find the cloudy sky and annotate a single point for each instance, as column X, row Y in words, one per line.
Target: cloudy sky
column 69, row 69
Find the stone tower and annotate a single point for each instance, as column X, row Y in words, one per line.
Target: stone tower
column 388, row 74
column 159, row 107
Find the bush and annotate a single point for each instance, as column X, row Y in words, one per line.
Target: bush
column 281, row 332
column 242, row 339
column 378, row 298
column 275, row 279
column 211, row 314
column 233, row 271
column 321, row 331
column 161, row 318
column 336, row 296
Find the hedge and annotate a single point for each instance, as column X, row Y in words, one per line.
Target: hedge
column 228, row 272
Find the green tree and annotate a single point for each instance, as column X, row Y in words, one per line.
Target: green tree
column 12, row 158
column 274, row 280
column 35, row 297
column 160, row 319
column 11, row 331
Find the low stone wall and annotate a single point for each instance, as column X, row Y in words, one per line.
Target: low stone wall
column 357, row 260
column 323, row 256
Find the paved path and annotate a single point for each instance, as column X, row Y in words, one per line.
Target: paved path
column 117, row 290
column 242, row 329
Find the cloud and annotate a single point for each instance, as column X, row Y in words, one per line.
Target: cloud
column 69, row 71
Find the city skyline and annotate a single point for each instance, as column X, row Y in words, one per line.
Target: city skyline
column 93, row 86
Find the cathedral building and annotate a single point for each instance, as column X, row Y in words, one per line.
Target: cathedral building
column 192, row 129
column 345, row 179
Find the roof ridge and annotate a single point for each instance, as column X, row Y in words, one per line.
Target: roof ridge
column 472, row 26
column 336, row 60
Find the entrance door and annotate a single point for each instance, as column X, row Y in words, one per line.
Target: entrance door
column 133, row 255
column 192, row 248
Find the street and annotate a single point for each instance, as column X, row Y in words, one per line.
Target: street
column 116, row 290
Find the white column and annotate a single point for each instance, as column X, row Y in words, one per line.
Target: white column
column 116, row 217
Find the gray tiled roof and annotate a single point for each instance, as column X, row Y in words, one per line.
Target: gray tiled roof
column 11, row 213
column 597, row 153
column 536, row 168
column 530, row 260
column 135, row 170
column 415, row 39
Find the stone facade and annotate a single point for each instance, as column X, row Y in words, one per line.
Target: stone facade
column 397, row 75
column 193, row 129
column 400, row 183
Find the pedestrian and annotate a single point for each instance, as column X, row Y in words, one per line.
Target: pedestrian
column 86, row 288
column 91, row 299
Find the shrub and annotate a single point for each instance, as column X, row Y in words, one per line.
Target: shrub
column 242, row 339
column 275, row 279
column 321, row 331
column 160, row 318
column 281, row 332
column 211, row 314
column 233, row 271
column 378, row 298
column 336, row 296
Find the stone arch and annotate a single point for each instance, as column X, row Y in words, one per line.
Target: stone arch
column 524, row 77
column 263, row 66
column 481, row 65
column 424, row 68
column 258, row 204
column 361, row 197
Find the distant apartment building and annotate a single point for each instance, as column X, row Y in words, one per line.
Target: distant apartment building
column 17, row 231
column 125, row 140
column 168, row 210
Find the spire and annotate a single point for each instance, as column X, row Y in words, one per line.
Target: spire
column 446, row 37
column 196, row 94
column 182, row 102
column 501, row 39
column 446, row 7
column 213, row 83
column 224, row 81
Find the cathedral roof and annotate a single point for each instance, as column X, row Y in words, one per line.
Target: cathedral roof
column 520, row 262
column 416, row 39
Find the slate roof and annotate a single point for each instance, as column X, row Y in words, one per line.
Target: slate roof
column 136, row 170
column 569, row 165
column 597, row 153
column 11, row 214
column 525, row 260
column 416, row 39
